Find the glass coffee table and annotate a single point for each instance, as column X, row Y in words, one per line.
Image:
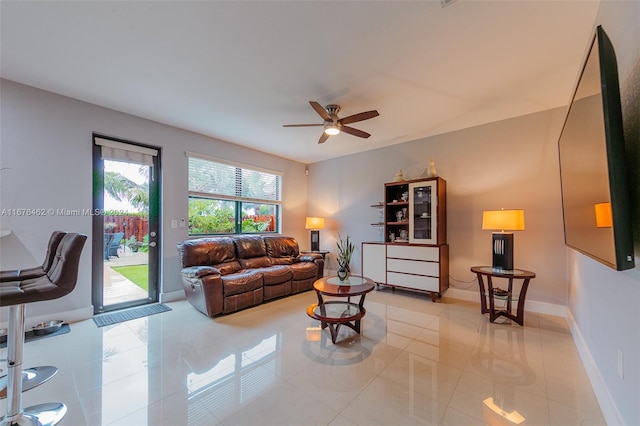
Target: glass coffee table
column 334, row 313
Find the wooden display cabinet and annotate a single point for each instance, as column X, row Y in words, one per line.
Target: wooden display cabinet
column 414, row 254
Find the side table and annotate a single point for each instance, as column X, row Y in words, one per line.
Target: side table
column 508, row 295
column 335, row 313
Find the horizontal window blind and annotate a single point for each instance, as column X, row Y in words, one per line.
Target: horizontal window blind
column 118, row 151
column 233, row 182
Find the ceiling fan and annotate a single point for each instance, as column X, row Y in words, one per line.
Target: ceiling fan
column 334, row 125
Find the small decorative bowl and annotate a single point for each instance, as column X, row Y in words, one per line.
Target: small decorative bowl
column 47, row 327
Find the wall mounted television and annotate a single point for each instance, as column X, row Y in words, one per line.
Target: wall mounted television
column 595, row 195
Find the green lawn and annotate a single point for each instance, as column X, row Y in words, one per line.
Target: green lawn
column 138, row 274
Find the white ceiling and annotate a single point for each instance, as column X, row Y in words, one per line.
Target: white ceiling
column 239, row 70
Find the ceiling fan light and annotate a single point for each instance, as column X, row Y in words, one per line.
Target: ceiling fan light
column 332, row 130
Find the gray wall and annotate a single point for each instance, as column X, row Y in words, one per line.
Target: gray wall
column 604, row 304
column 46, row 142
column 509, row 164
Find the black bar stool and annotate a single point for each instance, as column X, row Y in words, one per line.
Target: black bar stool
column 35, row 376
column 28, row 287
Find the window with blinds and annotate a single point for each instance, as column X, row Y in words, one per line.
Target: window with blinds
column 227, row 198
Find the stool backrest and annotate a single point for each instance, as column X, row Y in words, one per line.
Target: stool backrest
column 64, row 269
column 54, row 241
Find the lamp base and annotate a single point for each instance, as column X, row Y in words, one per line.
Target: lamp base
column 503, row 250
column 315, row 240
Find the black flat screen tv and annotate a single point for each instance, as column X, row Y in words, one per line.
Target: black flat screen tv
column 595, row 196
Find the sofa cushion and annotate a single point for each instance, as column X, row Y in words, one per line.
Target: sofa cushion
column 241, row 282
column 229, row 267
column 276, row 274
column 303, row 270
column 219, row 252
column 281, row 250
column 252, row 252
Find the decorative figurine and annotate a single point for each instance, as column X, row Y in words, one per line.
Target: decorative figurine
column 399, row 177
column 432, row 168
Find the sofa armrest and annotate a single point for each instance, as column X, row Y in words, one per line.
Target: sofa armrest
column 309, row 257
column 313, row 258
column 205, row 293
column 199, row 271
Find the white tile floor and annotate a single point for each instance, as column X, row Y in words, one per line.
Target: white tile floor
column 416, row 362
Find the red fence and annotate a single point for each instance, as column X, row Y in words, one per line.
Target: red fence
column 135, row 225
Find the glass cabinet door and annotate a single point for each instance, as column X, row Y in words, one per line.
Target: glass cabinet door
column 423, row 211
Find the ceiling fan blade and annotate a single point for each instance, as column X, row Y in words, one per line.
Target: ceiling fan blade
column 320, row 110
column 323, row 138
column 301, row 125
column 355, row 132
column 359, row 117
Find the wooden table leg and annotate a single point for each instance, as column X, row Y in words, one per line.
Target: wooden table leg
column 493, row 315
column 523, row 294
column 483, row 295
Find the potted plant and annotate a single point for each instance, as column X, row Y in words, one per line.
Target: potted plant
column 345, row 250
column 133, row 244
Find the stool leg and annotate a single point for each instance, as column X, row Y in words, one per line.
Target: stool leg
column 15, row 345
column 42, row 414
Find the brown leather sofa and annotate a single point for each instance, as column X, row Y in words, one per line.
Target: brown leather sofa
column 221, row 275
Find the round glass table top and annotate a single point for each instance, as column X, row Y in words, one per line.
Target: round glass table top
column 352, row 286
column 352, row 280
column 515, row 273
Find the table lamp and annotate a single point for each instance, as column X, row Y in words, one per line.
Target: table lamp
column 503, row 220
column 315, row 224
column 13, row 253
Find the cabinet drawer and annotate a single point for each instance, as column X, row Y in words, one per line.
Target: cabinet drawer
column 414, row 281
column 413, row 252
column 413, row 267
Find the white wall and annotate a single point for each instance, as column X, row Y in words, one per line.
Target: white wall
column 46, row 142
column 509, row 164
column 604, row 304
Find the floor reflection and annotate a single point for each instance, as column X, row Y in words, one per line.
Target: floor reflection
column 414, row 362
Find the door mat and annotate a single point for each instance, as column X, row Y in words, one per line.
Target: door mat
column 130, row 314
column 30, row 336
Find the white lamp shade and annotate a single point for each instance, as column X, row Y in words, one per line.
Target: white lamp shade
column 314, row 223
column 503, row 220
column 13, row 253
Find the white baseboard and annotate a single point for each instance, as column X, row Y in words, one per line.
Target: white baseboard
column 67, row 316
column 530, row 305
column 172, row 296
column 607, row 405
column 83, row 313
